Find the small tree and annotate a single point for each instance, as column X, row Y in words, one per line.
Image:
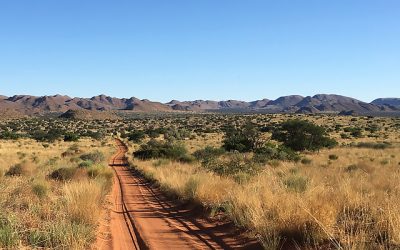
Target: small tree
column 302, row 135
column 71, row 137
column 244, row 139
column 136, row 136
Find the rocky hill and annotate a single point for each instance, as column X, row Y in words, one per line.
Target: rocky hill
column 322, row 103
column 395, row 102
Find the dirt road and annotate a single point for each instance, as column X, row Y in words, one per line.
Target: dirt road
column 143, row 218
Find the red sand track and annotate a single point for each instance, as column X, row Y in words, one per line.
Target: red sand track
column 143, row 218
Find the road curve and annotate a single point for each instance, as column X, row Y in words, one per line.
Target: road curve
column 143, row 218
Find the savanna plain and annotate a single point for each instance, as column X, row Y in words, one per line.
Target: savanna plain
column 289, row 181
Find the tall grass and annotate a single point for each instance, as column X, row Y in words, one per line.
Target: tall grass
column 83, row 200
column 317, row 204
column 38, row 211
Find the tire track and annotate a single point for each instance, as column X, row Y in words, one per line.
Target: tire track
column 151, row 221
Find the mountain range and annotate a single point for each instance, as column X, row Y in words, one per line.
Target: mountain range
column 321, row 103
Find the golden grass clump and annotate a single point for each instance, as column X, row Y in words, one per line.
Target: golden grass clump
column 83, row 200
column 325, row 202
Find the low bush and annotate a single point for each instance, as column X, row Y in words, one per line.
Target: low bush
column 355, row 132
column 40, row 189
column 17, row 170
column 300, row 135
column 8, row 135
column 86, row 164
column 306, row 161
column 237, row 164
column 274, row 152
column 373, row 145
column 70, row 137
column 63, row 173
column 136, row 136
column 95, row 157
column 296, row 183
column 155, row 150
column 47, row 136
column 243, row 139
column 333, row 157
column 208, row 153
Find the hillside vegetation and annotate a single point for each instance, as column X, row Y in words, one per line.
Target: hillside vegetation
column 52, row 194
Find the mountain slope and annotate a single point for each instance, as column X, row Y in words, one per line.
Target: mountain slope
column 321, row 103
column 387, row 101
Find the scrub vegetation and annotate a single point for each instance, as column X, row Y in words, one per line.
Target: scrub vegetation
column 292, row 181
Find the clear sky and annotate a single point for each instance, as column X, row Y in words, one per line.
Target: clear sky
column 200, row 49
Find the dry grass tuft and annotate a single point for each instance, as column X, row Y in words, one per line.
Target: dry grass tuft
column 83, row 200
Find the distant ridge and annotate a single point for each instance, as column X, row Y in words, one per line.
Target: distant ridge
column 321, row 103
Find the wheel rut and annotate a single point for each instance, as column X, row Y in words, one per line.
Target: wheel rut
column 144, row 218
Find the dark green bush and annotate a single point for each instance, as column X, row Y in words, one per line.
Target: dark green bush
column 274, row 152
column 373, row 145
column 70, row 137
column 208, row 153
column 136, row 136
column 63, row 174
column 86, row 164
column 244, row 139
column 40, row 189
column 16, row 170
column 95, row 157
column 47, row 136
column 306, row 161
column 302, row 135
column 355, row 132
column 237, row 165
column 333, row 157
column 8, row 135
column 155, row 150
column 176, row 134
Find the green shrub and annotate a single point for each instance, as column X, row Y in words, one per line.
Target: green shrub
column 352, row 168
column 155, row 150
column 95, row 157
column 302, row 135
column 63, row 174
column 237, row 164
column 86, row 164
column 296, row 183
column 306, row 161
column 333, row 157
column 47, row 136
column 355, row 132
column 136, row 136
column 40, row 189
column 176, row 134
column 208, row 153
column 8, row 135
column 244, row 139
column 70, row 137
column 274, row 152
column 373, row 145
column 16, row 170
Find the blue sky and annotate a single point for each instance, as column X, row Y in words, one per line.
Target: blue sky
column 200, row 49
